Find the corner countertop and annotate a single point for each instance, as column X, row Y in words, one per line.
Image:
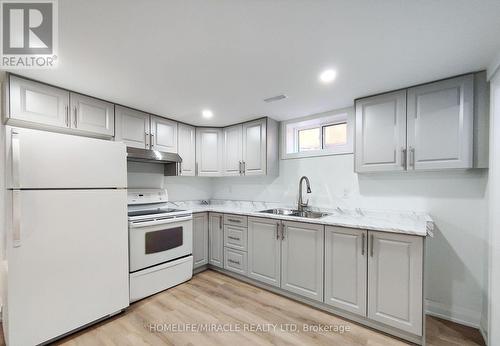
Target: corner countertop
column 403, row 222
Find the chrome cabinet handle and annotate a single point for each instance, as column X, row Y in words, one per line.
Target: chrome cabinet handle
column 282, row 232
column 232, row 261
column 234, row 220
column 244, row 167
column 412, row 157
column 403, row 157
column 371, row 244
column 180, row 168
column 363, row 244
column 277, row 231
column 233, row 238
column 152, row 140
column 76, row 117
column 146, row 139
column 220, row 222
column 67, row 115
column 239, row 167
column 16, row 218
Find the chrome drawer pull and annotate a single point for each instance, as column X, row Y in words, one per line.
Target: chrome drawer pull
column 234, row 262
column 233, row 238
column 233, row 220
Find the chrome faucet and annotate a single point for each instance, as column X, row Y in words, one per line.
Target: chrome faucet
column 301, row 205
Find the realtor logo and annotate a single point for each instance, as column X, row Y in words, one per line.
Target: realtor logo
column 29, row 34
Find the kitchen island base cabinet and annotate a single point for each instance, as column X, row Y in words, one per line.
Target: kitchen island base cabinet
column 302, row 259
column 395, row 269
column 346, row 268
column 264, row 250
column 200, row 239
column 216, row 240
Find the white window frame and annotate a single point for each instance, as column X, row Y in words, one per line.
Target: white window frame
column 344, row 115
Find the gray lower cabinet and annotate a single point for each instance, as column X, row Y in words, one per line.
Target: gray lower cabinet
column 235, row 260
column 346, row 268
column 216, row 240
column 264, row 250
column 302, row 255
column 200, row 239
column 395, row 268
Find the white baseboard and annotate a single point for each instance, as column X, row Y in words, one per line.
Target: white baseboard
column 455, row 314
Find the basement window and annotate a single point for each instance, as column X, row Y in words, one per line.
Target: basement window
column 329, row 133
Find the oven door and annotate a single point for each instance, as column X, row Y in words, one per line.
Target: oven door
column 155, row 242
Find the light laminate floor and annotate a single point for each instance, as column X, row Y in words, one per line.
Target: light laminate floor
column 213, row 298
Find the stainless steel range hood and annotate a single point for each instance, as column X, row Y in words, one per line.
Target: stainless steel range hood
column 171, row 161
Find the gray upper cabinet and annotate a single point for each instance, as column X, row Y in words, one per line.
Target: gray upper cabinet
column 38, row 103
column 245, row 149
column 346, row 268
column 132, row 127
column 200, row 239
column 216, row 239
column 440, row 124
column 381, row 133
column 209, row 150
column 302, row 259
column 395, row 267
column 92, row 115
column 232, row 149
column 428, row 127
column 255, row 147
column 264, row 250
column 186, row 147
column 163, row 134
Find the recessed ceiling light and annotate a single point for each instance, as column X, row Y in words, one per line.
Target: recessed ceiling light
column 207, row 113
column 327, row 76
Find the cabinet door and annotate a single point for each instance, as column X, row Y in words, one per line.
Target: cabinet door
column 346, row 268
column 216, row 240
column 92, row 115
column 254, row 148
column 264, row 250
column 209, row 152
column 381, row 133
column 440, row 124
column 302, row 255
column 187, row 149
column 132, row 127
column 232, row 150
column 200, row 239
column 38, row 103
column 395, row 266
column 163, row 134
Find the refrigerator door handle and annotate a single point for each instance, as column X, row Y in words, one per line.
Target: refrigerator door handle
column 16, row 158
column 16, row 218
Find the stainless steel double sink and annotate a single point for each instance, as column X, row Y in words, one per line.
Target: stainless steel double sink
column 294, row 212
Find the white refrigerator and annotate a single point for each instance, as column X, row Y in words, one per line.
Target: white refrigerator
column 66, row 239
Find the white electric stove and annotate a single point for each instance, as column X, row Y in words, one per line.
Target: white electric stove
column 160, row 243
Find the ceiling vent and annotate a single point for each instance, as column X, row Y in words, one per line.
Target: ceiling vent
column 275, row 98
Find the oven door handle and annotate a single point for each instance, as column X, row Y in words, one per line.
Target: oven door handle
column 140, row 224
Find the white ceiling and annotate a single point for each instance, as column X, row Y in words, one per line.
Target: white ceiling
column 175, row 58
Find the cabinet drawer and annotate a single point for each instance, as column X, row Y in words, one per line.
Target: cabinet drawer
column 235, row 261
column 235, row 237
column 235, row 220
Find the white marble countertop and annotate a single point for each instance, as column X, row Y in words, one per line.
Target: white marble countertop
column 413, row 223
